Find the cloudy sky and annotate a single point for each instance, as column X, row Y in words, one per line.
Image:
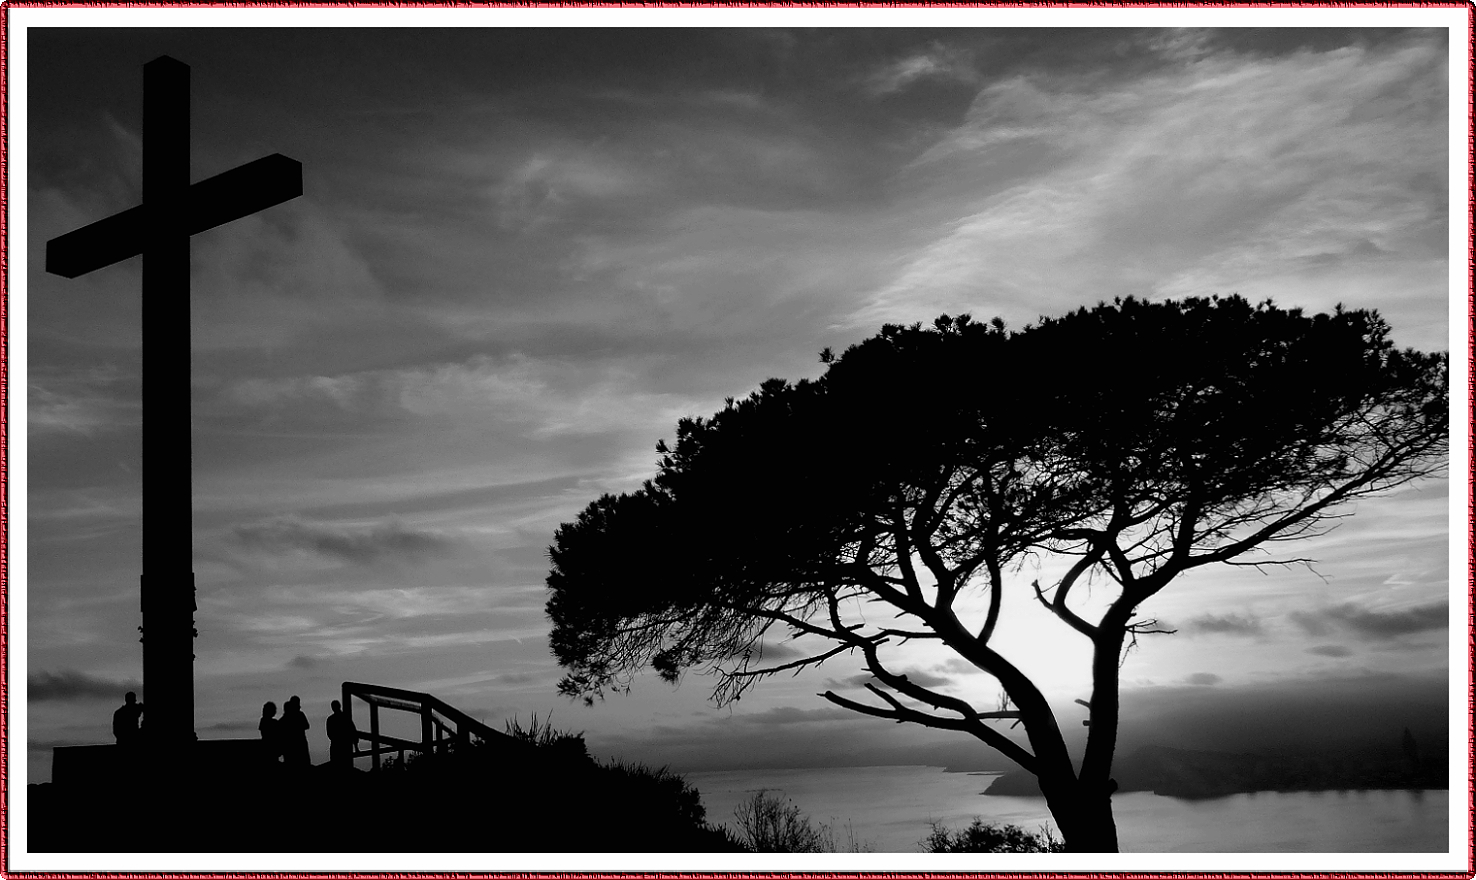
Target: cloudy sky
column 523, row 254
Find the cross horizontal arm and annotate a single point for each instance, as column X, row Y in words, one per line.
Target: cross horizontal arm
column 214, row 201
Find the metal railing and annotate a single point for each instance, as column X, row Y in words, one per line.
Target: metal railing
column 442, row 726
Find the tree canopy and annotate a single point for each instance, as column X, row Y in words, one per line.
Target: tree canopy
column 1134, row 440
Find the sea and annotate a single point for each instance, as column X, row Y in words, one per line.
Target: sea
column 890, row 809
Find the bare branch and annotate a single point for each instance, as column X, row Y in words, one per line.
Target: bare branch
column 909, row 635
column 903, row 542
column 1059, row 609
column 996, row 598
column 1149, row 626
column 797, row 665
column 993, row 738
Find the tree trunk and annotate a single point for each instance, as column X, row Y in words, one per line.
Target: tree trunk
column 1089, row 802
column 1096, row 829
column 1083, row 817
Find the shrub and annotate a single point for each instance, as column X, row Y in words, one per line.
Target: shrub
column 545, row 772
column 991, row 838
column 558, row 744
column 767, row 823
column 658, row 792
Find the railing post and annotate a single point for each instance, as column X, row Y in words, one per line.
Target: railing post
column 374, row 730
column 348, row 711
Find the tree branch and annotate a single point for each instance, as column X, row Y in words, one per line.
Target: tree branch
column 796, row 665
column 1057, row 605
column 903, row 541
column 993, row 738
column 996, row 598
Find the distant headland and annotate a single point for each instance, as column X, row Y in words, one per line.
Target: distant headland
column 1192, row 775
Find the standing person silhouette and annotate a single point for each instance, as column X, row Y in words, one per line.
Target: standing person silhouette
column 125, row 720
column 293, row 728
column 342, row 737
column 271, row 735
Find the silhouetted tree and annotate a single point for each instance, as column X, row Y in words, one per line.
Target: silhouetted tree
column 1132, row 442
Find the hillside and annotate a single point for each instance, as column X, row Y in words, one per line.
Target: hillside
column 1190, row 774
column 546, row 797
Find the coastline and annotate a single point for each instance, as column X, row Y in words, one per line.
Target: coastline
column 892, row 806
column 1187, row 774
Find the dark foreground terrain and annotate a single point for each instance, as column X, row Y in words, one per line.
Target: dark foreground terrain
column 473, row 802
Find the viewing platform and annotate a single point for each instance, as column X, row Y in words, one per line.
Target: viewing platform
column 441, row 727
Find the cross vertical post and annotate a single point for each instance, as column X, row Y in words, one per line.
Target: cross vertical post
column 167, row 588
column 173, row 209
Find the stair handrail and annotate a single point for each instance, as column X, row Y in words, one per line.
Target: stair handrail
column 466, row 726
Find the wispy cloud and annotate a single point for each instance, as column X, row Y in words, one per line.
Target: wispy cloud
column 546, row 186
column 69, row 684
column 1222, row 174
column 958, row 666
column 244, row 726
column 916, row 676
column 1373, row 623
column 546, row 396
column 777, row 652
column 84, row 402
column 934, row 62
column 792, row 715
column 353, row 544
column 1226, row 624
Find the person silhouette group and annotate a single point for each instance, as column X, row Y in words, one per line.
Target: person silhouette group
column 285, row 739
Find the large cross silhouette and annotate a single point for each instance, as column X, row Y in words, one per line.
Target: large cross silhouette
column 173, row 209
